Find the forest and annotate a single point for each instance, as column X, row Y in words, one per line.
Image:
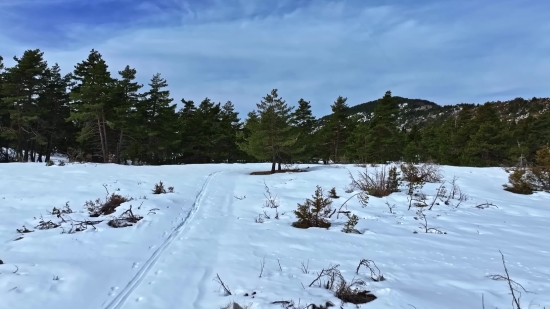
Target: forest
column 92, row 116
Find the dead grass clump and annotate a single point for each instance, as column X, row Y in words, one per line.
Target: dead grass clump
column 314, row 212
column 127, row 218
column 382, row 182
column 46, row 225
column 348, row 292
column 424, row 173
column 58, row 212
column 80, row 226
column 375, row 273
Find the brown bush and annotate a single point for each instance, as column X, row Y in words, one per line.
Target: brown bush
column 108, row 206
column 382, row 182
column 424, row 173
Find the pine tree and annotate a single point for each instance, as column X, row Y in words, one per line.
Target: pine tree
column 158, row 121
column 188, row 132
column 338, row 127
column 413, row 148
column 384, row 137
column 357, row 144
column 54, row 106
column 4, row 118
column 303, row 121
column 91, row 97
column 209, row 132
column 488, row 144
column 126, row 118
column 229, row 128
column 270, row 134
column 23, row 84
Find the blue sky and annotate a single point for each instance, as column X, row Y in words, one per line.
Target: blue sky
column 448, row 51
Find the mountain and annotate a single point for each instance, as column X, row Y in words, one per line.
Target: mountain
column 422, row 112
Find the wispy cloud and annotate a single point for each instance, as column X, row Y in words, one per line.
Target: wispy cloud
column 446, row 51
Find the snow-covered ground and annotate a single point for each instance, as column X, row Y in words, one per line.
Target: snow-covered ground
column 208, row 227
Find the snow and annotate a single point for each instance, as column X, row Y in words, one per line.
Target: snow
column 207, row 227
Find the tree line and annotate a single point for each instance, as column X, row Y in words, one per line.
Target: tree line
column 91, row 115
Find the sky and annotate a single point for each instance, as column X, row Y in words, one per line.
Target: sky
column 448, row 52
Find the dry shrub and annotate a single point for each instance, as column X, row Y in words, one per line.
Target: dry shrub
column 58, row 212
column 382, row 182
column 314, row 212
column 423, row 173
column 127, row 218
column 46, row 225
column 348, row 292
column 106, row 207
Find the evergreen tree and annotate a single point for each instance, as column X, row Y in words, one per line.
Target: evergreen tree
column 270, row 134
column 188, row 132
column 413, row 148
column 383, row 141
column 54, row 106
column 23, row 84
column 4, row 118
column 208, row 129
column 488, row 144
column 229, row 128
column 303, row 121
column 334, row 132
column 126, row 116
column 357, row 146
column 158, row 124
column 91, row 97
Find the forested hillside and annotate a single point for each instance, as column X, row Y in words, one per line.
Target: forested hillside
column 93, row 115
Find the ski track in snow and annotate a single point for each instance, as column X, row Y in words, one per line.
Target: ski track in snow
column 122, row 298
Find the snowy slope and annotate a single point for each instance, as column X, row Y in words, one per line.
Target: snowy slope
column 208, row 227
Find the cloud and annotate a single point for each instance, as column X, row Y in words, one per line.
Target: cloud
column 445, row 51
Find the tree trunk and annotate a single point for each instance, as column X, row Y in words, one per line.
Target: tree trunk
column 33, row 151
column 26, row 152
column 104, row 127
column 119, row 146
column 49, row 148
column 273, row 163
column 40, row 152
